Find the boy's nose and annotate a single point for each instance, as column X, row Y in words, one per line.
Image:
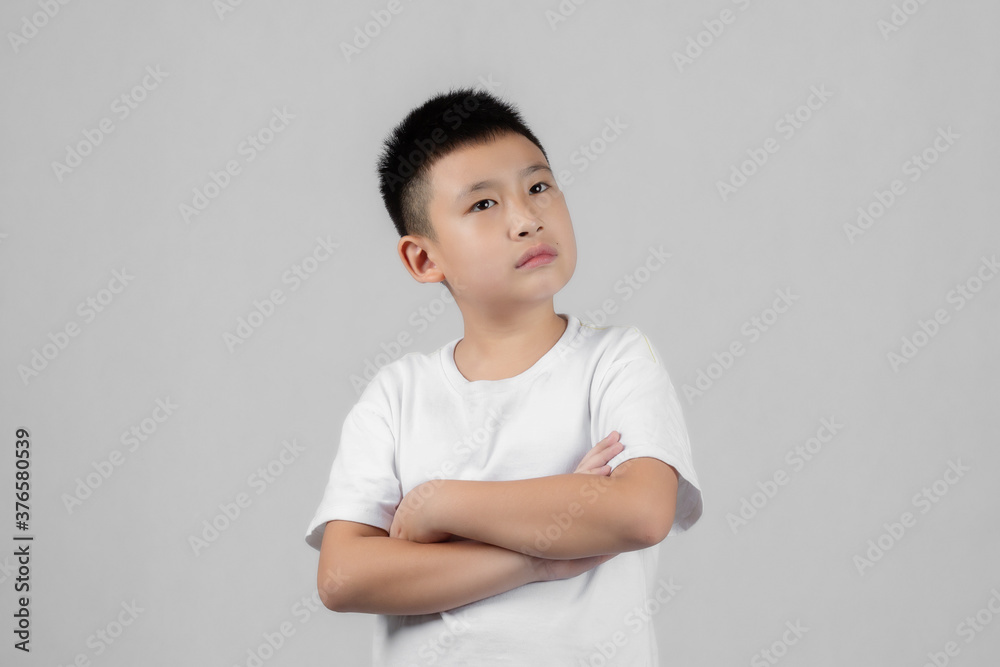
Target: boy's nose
column 528, row 214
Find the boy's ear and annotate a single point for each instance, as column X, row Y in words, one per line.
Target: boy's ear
column 415, row 259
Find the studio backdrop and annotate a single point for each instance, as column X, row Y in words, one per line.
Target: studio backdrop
column 794, row 201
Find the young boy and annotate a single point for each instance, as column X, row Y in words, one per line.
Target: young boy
column 468, row 504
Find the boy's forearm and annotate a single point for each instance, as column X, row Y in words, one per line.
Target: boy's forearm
column 558, row 516
column 388, row 575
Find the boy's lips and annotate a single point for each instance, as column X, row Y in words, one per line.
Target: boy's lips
column 535, row 251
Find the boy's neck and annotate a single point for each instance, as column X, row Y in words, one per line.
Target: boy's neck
column 497, row 350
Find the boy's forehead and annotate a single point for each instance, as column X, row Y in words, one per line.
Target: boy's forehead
column 476, row 166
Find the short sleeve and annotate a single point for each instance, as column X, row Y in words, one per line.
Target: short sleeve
column 363, row 485
column 637, row 398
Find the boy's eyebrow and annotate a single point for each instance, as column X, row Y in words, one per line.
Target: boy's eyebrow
column 482, row 185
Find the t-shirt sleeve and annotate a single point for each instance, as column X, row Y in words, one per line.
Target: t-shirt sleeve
column 363, row 485
column 637, row 398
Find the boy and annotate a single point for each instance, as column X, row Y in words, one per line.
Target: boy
column 467, row 504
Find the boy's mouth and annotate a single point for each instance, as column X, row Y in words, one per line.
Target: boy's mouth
column 543, row 251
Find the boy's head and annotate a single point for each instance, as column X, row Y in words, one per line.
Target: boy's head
column 469, row 190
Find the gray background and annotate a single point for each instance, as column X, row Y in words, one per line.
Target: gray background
column 295, row 378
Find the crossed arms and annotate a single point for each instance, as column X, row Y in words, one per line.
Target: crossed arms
column 453, row 542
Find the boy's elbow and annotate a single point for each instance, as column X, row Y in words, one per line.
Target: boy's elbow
column 332, row 602
column 650, row 528
column 333, row 590
column 648, row 497
column 642, row 529
column 654, row 530
column 329, row 600
column 333, row 582
column 328, row 595
column 345, row 577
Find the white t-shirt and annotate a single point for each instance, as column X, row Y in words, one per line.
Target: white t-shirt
column 420, row 418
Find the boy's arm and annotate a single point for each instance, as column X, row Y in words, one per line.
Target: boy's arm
column 361, row 569
column 558, row 516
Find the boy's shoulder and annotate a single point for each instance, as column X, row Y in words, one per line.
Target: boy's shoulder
column 614, row 343
column 393, row 374
column 392, row 377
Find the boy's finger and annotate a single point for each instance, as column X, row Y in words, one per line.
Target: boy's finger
column 608, row 440
column 595, row 459
column 611, row 452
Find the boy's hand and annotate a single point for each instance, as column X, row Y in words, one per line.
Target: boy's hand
column 411, row 521
column 595, row 461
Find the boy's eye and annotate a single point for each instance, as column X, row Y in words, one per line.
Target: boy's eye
column 475, row 207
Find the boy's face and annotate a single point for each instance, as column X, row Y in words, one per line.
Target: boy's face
column 482, row 233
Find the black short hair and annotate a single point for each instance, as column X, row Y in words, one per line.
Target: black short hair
column 444, row 123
